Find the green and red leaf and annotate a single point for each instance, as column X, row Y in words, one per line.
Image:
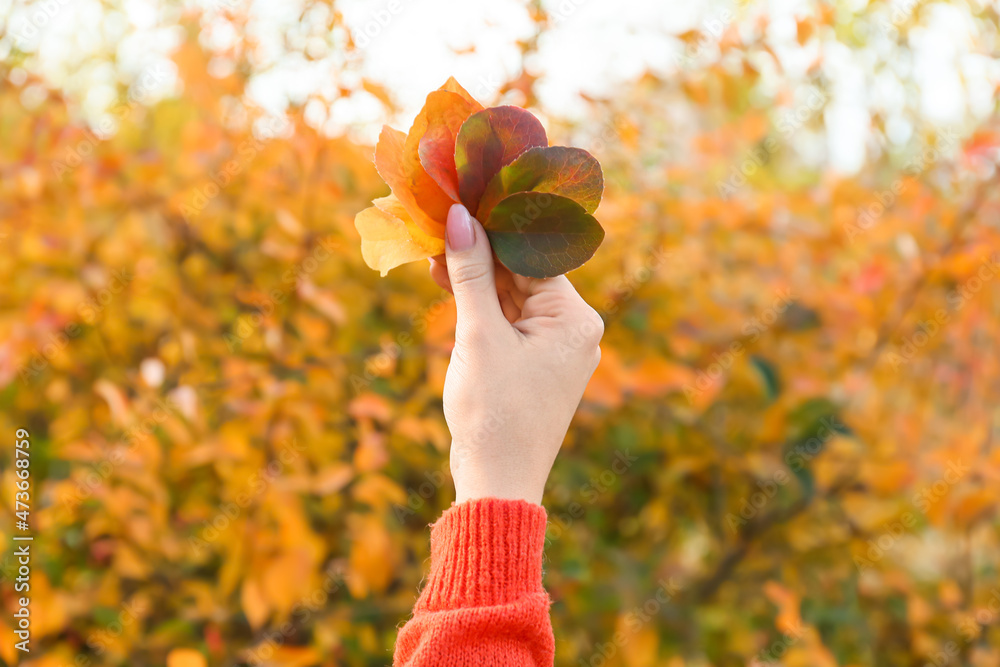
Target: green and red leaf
column 540, row 235
column 488, row 141
column 569, row 172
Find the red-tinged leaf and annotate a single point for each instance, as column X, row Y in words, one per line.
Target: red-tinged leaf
column 425, row 202
column 540, row 235
column 443, row 115
column 569, row 172
column 488, row 141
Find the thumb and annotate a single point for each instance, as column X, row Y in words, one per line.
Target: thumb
column 470, row 268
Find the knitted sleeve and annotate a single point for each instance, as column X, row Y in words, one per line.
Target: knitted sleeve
column 483, row 603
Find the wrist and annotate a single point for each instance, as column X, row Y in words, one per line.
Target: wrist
column 467, row 492
column 477, row 481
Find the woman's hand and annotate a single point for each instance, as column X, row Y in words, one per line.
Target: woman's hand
column 525, row 349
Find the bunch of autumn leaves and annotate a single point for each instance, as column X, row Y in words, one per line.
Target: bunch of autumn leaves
column 534, row 200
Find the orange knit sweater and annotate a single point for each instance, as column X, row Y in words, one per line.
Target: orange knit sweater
column 483, row 603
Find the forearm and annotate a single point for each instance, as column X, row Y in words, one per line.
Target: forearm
column 524, row 351
column 483, row 603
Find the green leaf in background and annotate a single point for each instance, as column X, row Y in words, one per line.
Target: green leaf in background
column 769, row 376
column 488, row 141
column 811, row 425
column 540, row 235
column 570, row 172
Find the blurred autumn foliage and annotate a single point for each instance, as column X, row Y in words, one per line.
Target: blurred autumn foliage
column 788, row 454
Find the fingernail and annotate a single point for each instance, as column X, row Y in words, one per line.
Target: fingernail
column 459, row 234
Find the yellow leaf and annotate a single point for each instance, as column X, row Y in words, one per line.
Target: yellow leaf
column 378, row 491
column 129, row 563
column 389, row 237
column 373, row 556
column 642, row 648
column 293, row 656
column 332, row 479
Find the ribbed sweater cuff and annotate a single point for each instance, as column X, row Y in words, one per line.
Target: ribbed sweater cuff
column 485, row 552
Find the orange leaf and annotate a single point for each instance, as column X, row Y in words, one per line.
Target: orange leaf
column 255, row 607
column 423, row 199
column 370, row 405
column 185, row 657
column 434, row 132
column 788, row 618
column 974, row 506
column 453, row 86
column 373, row 556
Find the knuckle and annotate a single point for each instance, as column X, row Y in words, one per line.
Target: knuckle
column 593, row 325
column 466, row 274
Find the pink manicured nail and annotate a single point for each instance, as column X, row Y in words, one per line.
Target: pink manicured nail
column 459, row 232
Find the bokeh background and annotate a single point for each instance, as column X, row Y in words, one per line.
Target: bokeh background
column 789, row 454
